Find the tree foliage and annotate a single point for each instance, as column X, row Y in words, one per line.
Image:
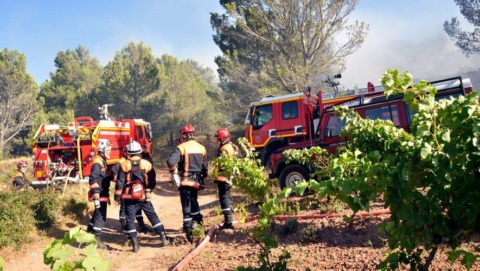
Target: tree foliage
column 71, row 88
column 18, row 93
column 428, row 178
column 467, row 41
column 271, row 46
column 184, row 97
column 129, row 79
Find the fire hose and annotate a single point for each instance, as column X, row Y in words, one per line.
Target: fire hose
column 184, row 262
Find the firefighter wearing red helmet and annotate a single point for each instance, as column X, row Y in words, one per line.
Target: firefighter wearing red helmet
column 188, row 166
column 135, row 183
column 19, row 178
column 122, row 217
column 99, row 181
column 223, row 183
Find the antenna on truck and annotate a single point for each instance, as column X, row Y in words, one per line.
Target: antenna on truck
column 104, row 111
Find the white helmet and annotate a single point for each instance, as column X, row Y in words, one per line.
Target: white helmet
column 134, row 148
column 103, row 144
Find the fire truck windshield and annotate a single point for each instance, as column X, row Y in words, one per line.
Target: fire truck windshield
column 263, row 114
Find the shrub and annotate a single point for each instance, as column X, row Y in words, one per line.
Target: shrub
column 16, row 218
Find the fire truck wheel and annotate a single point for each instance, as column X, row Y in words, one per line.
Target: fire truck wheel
column 292, row 175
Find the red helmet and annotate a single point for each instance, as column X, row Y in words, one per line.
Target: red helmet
column 187, row 130
column 21, row 164
column 222, row 134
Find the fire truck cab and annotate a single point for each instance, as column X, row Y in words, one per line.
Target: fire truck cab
column 65, row 154
column 373, row 105
column 276, row 122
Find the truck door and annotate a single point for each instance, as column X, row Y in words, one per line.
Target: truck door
column 262, row 125
column 330, row 132
column 291, row 122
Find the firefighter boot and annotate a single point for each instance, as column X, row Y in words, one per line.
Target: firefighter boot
column 165, row 241
column 189, row 235
column 100, row 244
column 135, row 246
column 197, row 221
column 161, row 231
column 228, row 222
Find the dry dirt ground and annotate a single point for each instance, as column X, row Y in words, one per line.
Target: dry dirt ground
column 336, row 246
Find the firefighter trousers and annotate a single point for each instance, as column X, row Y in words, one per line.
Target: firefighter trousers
column 131, row 209
column 123, row 216
column 190, row 206
column 225, row 201
column 98, row 219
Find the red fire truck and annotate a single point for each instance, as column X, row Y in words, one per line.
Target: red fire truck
column 276, row 122
column 65, row 154
column 372, row 105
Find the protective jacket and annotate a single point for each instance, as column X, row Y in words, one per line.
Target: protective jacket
column 100, row 178
column 231, row 150
column 190, row 159
column 19, row 180
column 135, row 169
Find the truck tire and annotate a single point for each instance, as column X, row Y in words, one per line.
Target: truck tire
column 293, row 174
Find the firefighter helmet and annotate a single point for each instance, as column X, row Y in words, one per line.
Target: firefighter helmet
column 187, row 130
column 104, row 144
column 134, row 148
column 21, row 164
column 222, row 134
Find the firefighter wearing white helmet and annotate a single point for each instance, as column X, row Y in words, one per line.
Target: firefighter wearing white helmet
column 122, row 217
column 99, row 181
column 135, row 182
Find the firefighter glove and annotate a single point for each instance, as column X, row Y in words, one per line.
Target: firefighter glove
column 228, row 183
column 175, row 179
column 96, row 196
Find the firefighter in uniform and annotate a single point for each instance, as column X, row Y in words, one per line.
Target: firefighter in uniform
column 223, row 183
column 19, row 179
column 122, row 216
column 99, row 181
column 188, row 166
column 136, row 173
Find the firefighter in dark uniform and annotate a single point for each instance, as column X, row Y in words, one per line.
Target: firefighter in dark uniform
column 122, row 216
column 20, row 181
column 188, row 166
column 223, row 183
column 99, row 181
column 136, row 171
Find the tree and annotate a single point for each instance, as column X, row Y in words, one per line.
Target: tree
column 271, row 46
column 18, row 92
column 130, row 78
column 70, row 92
column 184, row 97
column 468, row 42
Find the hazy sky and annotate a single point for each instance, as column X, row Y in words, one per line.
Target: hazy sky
column 406, row 34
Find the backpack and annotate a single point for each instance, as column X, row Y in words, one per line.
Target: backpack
column 135, row 189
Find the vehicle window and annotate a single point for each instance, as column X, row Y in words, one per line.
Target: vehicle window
column 335, row 124
column 290, row 110
column 148, row 131
column 388, row 112
column 139, row 131
column 263, row 114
